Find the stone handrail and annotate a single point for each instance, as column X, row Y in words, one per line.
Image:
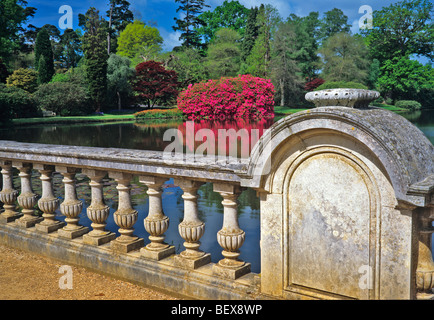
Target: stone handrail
column 153, row 169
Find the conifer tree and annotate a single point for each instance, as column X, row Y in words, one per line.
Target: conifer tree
column 43, row 50
column 189, row 25
column 95, row 52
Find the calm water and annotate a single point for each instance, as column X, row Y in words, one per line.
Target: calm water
column 150, row 137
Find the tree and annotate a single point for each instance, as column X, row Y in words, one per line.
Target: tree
column 119, row 16
column 285, row 71
column 307, row 37
column 44, row 60
column 189, row 65
column 232, row 15
column 139, row 41
column 26, row 79
column 13, row 13
column 71, row 48
column 250, row 33
column 189, row 25
column 95, row 53
column 153, row 84
column 344, row 58
column 402, row 29
column 224, row 54
column 119, row 74
column 260, row 56
column 402, row 78
column 3, row 72
column 333, row 22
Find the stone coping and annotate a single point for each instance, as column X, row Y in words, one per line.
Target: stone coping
column 140, row 162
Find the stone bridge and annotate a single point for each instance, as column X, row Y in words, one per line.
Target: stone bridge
column 346, row 193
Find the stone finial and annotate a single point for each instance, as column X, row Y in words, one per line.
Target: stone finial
column 352, row 98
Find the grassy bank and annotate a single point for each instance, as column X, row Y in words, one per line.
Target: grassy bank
column 148, row 115
column 74, row 119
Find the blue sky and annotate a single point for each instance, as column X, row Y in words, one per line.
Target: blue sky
column 162, row 12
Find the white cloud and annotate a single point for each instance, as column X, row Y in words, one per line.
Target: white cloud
column 171, row 38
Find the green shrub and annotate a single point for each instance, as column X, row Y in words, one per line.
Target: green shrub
column 16, row 103
column 408, row 104
column 159, row 114
column 341, row 84
column 63, row 98
column 26, row 79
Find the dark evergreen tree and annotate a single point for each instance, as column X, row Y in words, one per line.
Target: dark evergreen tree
column 190, row 23
column 250, row 33
column 95, row 52
column 43, row 49
column 119, row 16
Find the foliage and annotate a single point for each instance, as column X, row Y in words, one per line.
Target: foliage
column 250, row 33
column 344, row 58
column 4, row 73
column 119, row 74
column 71, row 48
column 44, row 62
column 13, row 13
column 340, row 84
column 402, row 29
column 285, row 72
column 139, row 40
column 408, row 104
column 403, row 78
column 158, row 114
column 16, row 103
column 153, row 84
column 95, row 53
column 306, row 50
column 63, row 98
column 231, row 15
column 333, row 22
column 26, row 79
column 189, row 64
column 119, row 17
column 189, row 24
column 258, row 61
column 224, row 54
column 312, row 85
column 242, row 97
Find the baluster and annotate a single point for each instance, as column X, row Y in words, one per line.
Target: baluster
column 156, row 223
column 191, row 228
column 425, row 266
column 8, row 195
column 48, row 203
column 98, row 211
column 71, row 207
column 230, row 237
column 125, row 217
column 27, row 199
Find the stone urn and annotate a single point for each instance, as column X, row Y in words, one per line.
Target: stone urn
column 352, row 98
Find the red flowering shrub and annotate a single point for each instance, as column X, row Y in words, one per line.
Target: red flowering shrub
column 312, row 85
column 153, row 84
column 242, row 97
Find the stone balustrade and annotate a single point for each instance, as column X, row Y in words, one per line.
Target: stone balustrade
column 346, row 209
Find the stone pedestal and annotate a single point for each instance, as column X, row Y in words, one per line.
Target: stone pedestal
column 8, row 195
column 48, row 203
column 98, row 211
column 191, row 228
column 71, row 207
column 27, row 199
column 230, row 237
column 125, row 217
column 156, row 223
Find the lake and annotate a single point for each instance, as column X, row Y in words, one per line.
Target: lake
column 150, row 136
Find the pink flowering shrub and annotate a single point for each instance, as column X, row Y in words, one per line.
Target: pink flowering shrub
column 244, row 96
